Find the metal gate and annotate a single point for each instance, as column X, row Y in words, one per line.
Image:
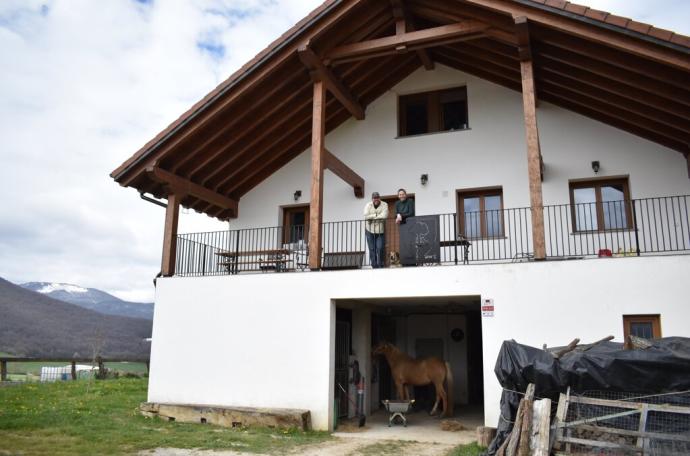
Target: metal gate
column 342, row 359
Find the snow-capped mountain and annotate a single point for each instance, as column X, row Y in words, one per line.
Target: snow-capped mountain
column 91, row 298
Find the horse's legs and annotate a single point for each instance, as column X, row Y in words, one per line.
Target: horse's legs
column 440, row 394
column 400, row 388
column 433, row 410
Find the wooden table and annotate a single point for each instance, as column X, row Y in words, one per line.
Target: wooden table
column 276, row 259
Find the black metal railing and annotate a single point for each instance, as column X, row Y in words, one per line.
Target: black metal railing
column 618, row 228
column 615, row 228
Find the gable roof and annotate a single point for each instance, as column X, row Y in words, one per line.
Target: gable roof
column 627, row 74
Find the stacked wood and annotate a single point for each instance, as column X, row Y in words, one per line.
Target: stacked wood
column 573, row 346
column 530, row 434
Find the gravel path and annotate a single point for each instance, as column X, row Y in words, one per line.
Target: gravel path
column 334, row 447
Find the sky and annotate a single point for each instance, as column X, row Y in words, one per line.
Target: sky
column 84, row 84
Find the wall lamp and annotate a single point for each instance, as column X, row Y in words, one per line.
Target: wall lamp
column 424, row 179
column 297, row 195
column 596, row 166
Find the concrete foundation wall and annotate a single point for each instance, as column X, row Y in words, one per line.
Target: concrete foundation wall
column 267, row 340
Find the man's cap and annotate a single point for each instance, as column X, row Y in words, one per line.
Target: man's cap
column 375, row 195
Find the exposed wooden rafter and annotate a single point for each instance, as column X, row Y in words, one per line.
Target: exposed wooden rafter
column 581, row 29
column 404, row 23
column 332, row 82
column 181, row 186
column 409, row 41
column 344, row 172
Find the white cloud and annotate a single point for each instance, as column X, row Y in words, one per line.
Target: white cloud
column 84, row 84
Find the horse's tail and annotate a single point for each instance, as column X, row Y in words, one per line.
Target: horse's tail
column 449, row 389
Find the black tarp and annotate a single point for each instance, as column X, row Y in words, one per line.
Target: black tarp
column 664, row 367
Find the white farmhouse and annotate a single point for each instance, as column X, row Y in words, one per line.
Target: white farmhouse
column 545, row 146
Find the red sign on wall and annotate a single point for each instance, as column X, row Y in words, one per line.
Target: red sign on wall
column 487, row 308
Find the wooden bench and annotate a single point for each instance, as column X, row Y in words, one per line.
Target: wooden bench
column 342, row 260
column 275, row 260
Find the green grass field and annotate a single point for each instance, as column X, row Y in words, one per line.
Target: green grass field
column 101, row 417
column 88, row 417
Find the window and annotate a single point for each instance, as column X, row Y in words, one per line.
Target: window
column 480, row 212
column 296, row 223
column 602, row 204
column 644, row 326
column 432, row 112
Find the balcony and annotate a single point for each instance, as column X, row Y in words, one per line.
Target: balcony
column 649, row 226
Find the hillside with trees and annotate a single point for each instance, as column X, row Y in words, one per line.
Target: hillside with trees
column 32, row 324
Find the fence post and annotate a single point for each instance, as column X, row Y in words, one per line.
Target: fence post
column 637, row 237
column 101, row 368
column 455, row 236
column 74, row 370
column 3, row 370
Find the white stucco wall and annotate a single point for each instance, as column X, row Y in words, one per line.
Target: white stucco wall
column 491, row 153
column 266, row 340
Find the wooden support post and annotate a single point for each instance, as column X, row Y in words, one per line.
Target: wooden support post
column 3, row 370
column 533, row 159
column 74, row 370
column 172, row 214
column 318, row 152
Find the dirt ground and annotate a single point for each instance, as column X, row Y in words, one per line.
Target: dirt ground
column 335, row 447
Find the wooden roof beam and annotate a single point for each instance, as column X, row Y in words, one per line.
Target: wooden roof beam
column 435, row 36
column 332, row 82
column 522, row 34
column 179, row 185
column 405, row 23
column 597, row 34
column 344, row 172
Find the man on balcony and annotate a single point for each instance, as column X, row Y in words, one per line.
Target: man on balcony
column 375, row 215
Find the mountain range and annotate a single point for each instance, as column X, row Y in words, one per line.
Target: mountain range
column 34, row 324
column 91, row 298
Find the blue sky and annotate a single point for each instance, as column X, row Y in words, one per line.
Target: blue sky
column 83, row 84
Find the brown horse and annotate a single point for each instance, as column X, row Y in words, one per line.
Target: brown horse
column 419, row 372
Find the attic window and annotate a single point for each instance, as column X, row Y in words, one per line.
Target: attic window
column 433, row 112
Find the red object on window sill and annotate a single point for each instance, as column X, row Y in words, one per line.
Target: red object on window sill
column 605, row 253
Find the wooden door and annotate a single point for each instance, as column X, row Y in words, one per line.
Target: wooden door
column 295, row 223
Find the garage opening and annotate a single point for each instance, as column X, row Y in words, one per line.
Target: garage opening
column 449, row 328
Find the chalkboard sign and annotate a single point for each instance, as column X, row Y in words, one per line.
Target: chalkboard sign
column 420, row 240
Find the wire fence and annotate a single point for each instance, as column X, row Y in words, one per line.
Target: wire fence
column 615, row 423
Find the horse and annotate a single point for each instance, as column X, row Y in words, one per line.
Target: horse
column 419, row 372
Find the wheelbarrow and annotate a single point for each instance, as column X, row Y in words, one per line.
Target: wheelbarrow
column 397, row 409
